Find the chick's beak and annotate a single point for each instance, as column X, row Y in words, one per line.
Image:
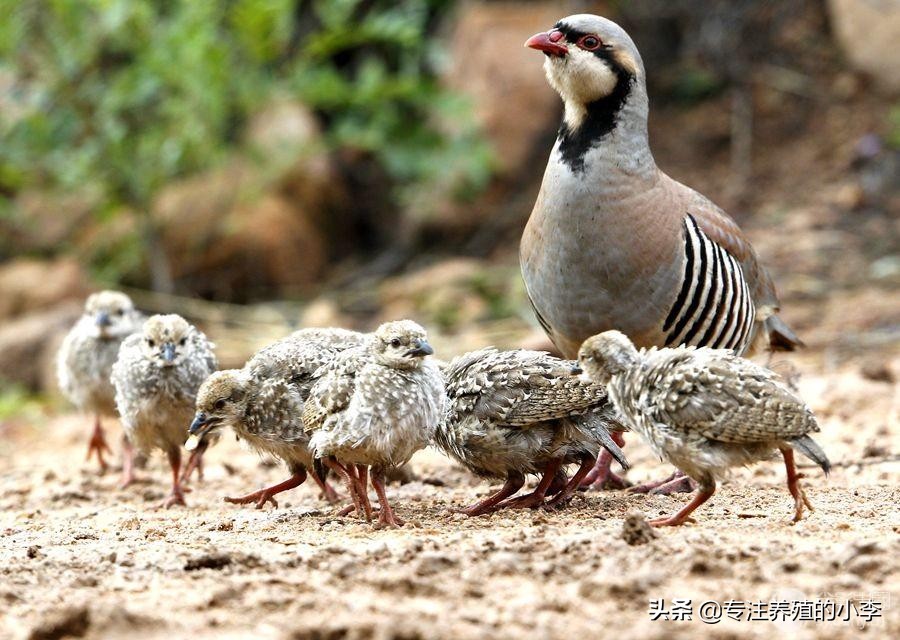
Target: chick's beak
column 102, row 320
column 548, row 42
column 577, row 370
column 421, row 349
column 168, row 352
column 199, row 428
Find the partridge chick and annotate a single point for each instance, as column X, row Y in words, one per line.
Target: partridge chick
column 263, row 404
column 85, row 360
column 513, row 413
column 704, row 410
column 615, row 243
column 375, row 406
column 156, row 379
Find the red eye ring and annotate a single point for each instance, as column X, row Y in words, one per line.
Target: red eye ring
column 590, row 42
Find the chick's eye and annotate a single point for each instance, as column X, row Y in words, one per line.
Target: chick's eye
column 182, row 342
column 220, row 404
column 120, row 312
column 395, row 342
column 150, row 343
column 589, row 42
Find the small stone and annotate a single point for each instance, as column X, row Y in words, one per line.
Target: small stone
column 71, row 622
column 636, row 530
column 208, row 561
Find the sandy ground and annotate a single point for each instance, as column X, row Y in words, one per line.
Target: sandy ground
column 79, row 556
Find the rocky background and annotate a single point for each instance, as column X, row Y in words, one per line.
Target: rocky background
column 353, row 162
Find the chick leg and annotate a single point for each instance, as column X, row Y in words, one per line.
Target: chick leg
column 794, row 486
column 350, row 482
column 362, row 476
column 128, row 477
column 563, row 497
column 195, row 461
column 387, row 517
column 514, row 482
column 177, row 495
column 535, row 498
column 97, row 444
column 703, row 494
column 601, row 476
column 328, row 491
column 263, row 496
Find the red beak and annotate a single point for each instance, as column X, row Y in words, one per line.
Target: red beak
column 548, row 42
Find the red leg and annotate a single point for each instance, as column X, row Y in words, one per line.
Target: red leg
column 601, row 476
column 563, row 497
column 514, row 482
column 675, row 483
column 177, row 495
column 558, row 484
column 127, row 463
column 97, row 444
column 703, row 494
column 362, row 477
column 263, row 496
column 351, row 483
column 535, row 498
column 328, row 492
column 793, row 482
column 387, row 517
column 195, row 461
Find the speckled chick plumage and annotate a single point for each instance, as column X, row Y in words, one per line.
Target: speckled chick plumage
column 87, row 354
column 156, row 378
column 297, row 357
column 264, row 412
column 379, row 403
column 517, row 410
column 704, row 410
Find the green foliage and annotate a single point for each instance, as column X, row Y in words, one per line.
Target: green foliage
column 893, row 136
column 128, row 95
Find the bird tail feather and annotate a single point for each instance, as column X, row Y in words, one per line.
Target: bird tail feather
column 810, row 448
column 320, row 469
column 781, row 337
column 597, row 423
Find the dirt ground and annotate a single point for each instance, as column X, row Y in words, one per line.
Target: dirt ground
column 79, row 556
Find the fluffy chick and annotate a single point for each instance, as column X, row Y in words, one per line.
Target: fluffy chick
column 84, row 363
column 375, row 406
column 156, row 379
column 512, row 413
column 704, row 410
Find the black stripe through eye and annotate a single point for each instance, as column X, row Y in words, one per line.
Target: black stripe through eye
column 686, row 282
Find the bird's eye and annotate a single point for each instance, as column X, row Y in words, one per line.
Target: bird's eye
column 395, row 342
column 151, row 343
column 120, row 312
column 182, row 342
column 590, row 43
column 220, row 404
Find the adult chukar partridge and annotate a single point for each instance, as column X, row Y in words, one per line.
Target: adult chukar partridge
column 615, row 243
column 704, row 410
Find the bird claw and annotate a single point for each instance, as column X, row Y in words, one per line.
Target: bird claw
column 259, row 497
column 176, row 497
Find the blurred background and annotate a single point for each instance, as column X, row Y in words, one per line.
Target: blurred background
column 261, row 165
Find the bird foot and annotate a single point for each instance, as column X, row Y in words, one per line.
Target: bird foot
column 675, row 483
column 98, row 445
column 800, row 500
column 260, row 497
column 387, row 519
column 672, row 521
column 608, row 481
column 176, row 497
column 330, row 495
column 528, row 501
